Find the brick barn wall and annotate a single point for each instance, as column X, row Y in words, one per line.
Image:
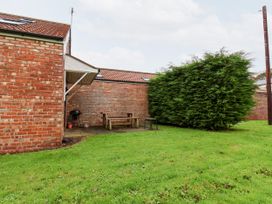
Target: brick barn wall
column 119, row 98
column 259, row 112
column 31, row 94
column 114, row 98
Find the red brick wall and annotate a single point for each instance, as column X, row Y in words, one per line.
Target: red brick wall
column 260, row 110
column 31, row 94
column 114, row 98
column 118, row 98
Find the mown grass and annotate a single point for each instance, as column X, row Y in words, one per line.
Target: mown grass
column 172, row 165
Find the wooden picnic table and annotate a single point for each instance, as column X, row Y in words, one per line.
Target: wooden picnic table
column 128, row 120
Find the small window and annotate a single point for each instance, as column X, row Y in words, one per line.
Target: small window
column 16, row 22
column 145, row 79
column 99, row 75
column 27, row 20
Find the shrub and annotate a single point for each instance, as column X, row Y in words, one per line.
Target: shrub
column 214, row 92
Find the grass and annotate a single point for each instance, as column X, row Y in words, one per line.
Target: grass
column 172, row 165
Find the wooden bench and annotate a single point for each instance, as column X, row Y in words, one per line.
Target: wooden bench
column 129, row 120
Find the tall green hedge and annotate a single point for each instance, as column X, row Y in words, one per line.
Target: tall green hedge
column 214, row 92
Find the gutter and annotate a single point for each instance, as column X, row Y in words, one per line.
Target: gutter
column 122, row 81
column 31, row 35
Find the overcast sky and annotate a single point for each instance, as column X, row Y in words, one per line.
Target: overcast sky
column 147, row 35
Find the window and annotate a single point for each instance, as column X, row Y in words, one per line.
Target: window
column 99, row 76
column 16, row 22
column 145, row 79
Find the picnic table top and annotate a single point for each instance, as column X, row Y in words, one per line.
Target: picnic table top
column 117, row 118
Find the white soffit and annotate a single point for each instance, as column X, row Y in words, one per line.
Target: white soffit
column 76, row 68
column 73, row 64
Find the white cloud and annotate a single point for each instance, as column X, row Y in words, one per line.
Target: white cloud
column 148, row 34
column 138, row 20
column 116, row 57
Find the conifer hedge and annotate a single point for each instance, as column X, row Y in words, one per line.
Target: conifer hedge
column 213, row 93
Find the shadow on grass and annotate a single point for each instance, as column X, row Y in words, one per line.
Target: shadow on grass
column 229, row 130
column 232, row 130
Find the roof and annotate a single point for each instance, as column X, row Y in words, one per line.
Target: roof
column 124, row 75
column 34, row 27
column 76, row 68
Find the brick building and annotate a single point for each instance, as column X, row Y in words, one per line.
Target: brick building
column 34, row 69
column 41, row 81
column 259, row 112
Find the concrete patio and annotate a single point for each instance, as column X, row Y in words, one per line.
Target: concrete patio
column 92, row 131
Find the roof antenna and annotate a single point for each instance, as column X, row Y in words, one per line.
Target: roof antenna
column 70, row 34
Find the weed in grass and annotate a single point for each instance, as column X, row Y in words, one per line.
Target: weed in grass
column 265, row 171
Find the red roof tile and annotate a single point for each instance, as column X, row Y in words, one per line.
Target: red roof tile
column 124, row 75
column 39, row 28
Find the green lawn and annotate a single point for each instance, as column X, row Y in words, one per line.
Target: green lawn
column 172, row 165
